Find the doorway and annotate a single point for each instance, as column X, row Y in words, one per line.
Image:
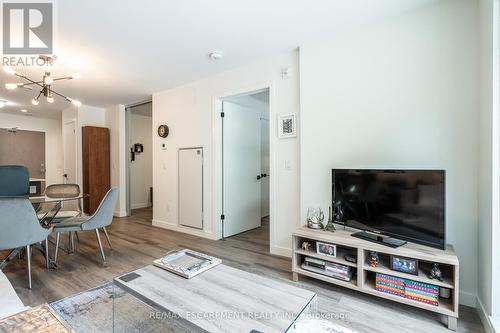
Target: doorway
column 245, row 152
column 140, row 161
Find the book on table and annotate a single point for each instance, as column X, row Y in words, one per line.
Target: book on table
column 187, row 263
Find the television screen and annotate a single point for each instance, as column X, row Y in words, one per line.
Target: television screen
column 404, row 204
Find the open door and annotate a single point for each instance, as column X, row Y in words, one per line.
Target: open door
column 241, row 174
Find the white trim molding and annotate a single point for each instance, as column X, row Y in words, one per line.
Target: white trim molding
column 186, row 230
column 120, row 213
column 217, row 157
column 488, row 323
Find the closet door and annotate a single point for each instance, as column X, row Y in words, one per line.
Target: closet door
column 96, row 166
column 191, row 187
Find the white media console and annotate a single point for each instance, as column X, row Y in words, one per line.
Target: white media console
column 364, row 280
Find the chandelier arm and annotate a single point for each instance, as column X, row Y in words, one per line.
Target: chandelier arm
column 63, row 78
column 31, row 83
column 30, row 80
column 58, row 94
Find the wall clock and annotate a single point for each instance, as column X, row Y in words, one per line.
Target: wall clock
column 163, row 131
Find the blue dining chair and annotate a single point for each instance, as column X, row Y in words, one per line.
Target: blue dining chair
column 102, row 218
column 19, row 225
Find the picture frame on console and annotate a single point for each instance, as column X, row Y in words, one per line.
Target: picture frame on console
column 326, row 249
column 404, row 265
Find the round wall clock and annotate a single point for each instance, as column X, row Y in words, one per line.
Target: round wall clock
column 163, row 131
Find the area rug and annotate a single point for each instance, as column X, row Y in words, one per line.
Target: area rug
column 107, row 308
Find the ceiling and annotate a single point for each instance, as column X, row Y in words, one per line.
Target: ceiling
column 126, row 50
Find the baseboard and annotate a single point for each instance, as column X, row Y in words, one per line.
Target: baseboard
column 186, row 230
column 281, row 251
column 140, row 205
column 120, row 214
column 485, row 318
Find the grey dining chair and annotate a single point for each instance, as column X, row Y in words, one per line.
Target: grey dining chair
column 68, row 210
column 19, row 225
column 62, row 191
column 102, row 218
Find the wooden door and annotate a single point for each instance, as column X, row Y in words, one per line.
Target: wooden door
column 96, row 166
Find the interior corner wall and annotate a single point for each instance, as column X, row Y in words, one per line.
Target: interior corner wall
column 115, row 121
column 485, row 249
column 401, row 94
column 53, row 141
column 188, row 110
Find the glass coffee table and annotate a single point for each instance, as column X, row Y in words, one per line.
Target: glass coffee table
column 222, row 299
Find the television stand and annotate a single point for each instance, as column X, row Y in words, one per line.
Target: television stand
column 365, row 278
column 387, row 241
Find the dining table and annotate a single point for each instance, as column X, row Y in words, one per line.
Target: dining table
column 48, row 219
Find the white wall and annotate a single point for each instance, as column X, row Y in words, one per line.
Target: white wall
column 189, row 110
column 401, row 94
column 141, row 170
column 84, row 116
column 53, row 141
column 115, row 121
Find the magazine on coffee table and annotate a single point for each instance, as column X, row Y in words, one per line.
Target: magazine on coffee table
column 187, row 263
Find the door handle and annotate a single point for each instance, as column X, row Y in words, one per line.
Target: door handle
column 259, row 177
column 263, row 175
column 65, row 175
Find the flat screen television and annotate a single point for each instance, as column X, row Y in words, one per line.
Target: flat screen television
column 406, row 205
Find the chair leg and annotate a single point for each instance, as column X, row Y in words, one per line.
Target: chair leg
column 100, row 245
column 47, row 252
column 58, row 237
column 107, row 237
column 71, row 243
column 28, row 263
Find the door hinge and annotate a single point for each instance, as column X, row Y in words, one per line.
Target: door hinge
column 222, row 114
column 223, row 217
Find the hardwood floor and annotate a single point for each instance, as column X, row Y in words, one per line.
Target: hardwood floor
column 136, row 243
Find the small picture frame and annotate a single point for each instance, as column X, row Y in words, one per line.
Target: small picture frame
column 287, row 126
column 404, row 265
column 326, row 249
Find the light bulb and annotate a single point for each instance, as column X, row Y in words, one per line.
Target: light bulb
column 48, row 80
column 35, row 101
column 75, row 76
column 11, row 86
column 50, row 99
column 9, row 70
column 76, row 103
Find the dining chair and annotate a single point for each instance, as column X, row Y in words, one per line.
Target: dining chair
column 102, row 218
column 68, row 209
column 19, row 225
column 62, row 191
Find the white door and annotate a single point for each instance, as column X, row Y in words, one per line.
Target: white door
column 241, row 168
column 264, row 124
column 70, row 153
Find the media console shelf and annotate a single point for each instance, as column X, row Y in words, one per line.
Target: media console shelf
column 364, row 278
